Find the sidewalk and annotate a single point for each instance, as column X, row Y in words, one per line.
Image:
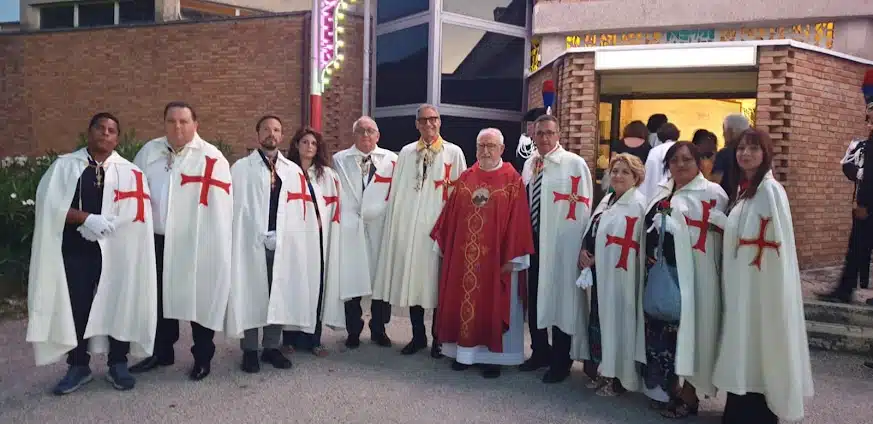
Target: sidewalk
column 822, row 280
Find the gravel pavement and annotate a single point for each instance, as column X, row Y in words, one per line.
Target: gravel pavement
column 367, row 385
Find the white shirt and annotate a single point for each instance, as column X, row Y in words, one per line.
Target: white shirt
column 655, row 173
column 158, row 177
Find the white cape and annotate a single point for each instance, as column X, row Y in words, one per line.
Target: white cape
column 357, row 234
column 619, row 286
column 560, row 239
column 197, row 246
column 407, row 274
column 764, row 347
column 327, row 193
column 252, row 303
column 126, row 299
column 702, row 259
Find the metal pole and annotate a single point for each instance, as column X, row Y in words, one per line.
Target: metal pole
column 315, row 72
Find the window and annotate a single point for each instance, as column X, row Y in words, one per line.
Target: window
column 136, row 11
column 96, row 14
column 199, row 15
column 389, row 10
column 511, row 12
column 463, row 131
column 396, row 132
column 483, row 69
column 55, row 17
column 401, row 67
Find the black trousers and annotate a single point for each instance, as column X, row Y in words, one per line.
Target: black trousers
column 380, row 312
column 856, row 265
column 416, row 315
column 750, row 408
column 558, row 354
column 167, row 333
column 83, row 274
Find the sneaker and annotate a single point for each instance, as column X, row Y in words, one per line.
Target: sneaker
column 120, row 377
column 76, row 377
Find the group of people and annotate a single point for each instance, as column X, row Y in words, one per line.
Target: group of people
column 685, row 290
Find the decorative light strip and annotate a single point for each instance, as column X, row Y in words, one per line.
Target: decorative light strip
column 330, row 42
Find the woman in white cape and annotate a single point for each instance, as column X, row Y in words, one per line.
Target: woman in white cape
column 309, row 152
column 696, row 248
column 613, row 325
column 763, row 361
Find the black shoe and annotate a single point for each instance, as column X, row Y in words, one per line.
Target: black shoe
column 491, row 371
column 436, row 351
column 151, row 363
column 556, row 375
column 275, row 358
column 865, row 285
column 868, row 364
column 381, row 339
column 414, row 346
column 457, row 366
column 353, row 342
column 533, row 364
column 199, row 372
column 250, row 363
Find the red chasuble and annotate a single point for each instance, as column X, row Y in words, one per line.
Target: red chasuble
column 484, row 225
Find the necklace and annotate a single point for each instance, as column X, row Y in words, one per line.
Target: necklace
column 98, row 170
column 171, row 157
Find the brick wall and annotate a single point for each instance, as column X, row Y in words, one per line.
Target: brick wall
column 535, row 87
column 824, row 110
column 232, row 71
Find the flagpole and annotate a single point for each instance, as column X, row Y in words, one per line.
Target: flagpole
column 314, row 71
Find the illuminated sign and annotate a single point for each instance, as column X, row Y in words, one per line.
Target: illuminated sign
column 330, row 42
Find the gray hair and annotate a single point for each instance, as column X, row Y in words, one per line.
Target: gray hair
column 361, row 119
column 490, row 131
column 423, row 107
column 735, row 124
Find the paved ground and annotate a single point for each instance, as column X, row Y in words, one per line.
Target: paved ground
column 369, row 385
column 823, row 280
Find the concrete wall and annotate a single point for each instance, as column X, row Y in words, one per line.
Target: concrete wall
column 232, row 71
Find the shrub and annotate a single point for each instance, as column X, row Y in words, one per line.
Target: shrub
column 19, row 178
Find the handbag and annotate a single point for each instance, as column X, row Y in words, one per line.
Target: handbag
column 662, row 298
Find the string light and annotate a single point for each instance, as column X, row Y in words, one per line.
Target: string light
column 330, row 43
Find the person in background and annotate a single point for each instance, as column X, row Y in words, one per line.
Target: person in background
column 707, row 145
column 633, row 141
column 655, row 171
column 655, row 123
column 733, row 126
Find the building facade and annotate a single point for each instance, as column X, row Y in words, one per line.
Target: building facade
column 795, row 70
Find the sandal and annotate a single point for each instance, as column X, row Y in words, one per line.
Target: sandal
column 595, row 383
column 610, row 389
column 320, row 351
column 678, row 408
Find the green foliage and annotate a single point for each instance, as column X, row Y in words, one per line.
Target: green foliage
column 19, row 178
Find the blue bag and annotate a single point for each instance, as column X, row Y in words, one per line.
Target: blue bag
column 662, row 298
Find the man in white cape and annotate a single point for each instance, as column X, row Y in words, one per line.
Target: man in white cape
column 266, row 293
column 190, row 183
column 360, row 238
column 560, row 190
column 407, row 274
column 763, row 361
column 92, row 274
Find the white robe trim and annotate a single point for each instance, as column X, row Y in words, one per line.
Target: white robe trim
column 126, row 299
column 197, row 246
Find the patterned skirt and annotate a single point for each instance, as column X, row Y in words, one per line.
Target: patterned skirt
column 660, row 369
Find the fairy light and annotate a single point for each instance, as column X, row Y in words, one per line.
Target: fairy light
column 330, row 43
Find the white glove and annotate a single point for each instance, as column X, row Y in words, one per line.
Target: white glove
column 586, row 279
column 88, row 234
column 656, row 224
column 717, row 218
column 99, row 225
column 270, row 240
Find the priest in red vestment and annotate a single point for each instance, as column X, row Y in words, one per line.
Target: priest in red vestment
column 484, row 236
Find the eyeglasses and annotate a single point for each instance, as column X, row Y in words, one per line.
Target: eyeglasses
column 487, row 146
column 428, row 119
column 366, row 131
column 545, row 133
